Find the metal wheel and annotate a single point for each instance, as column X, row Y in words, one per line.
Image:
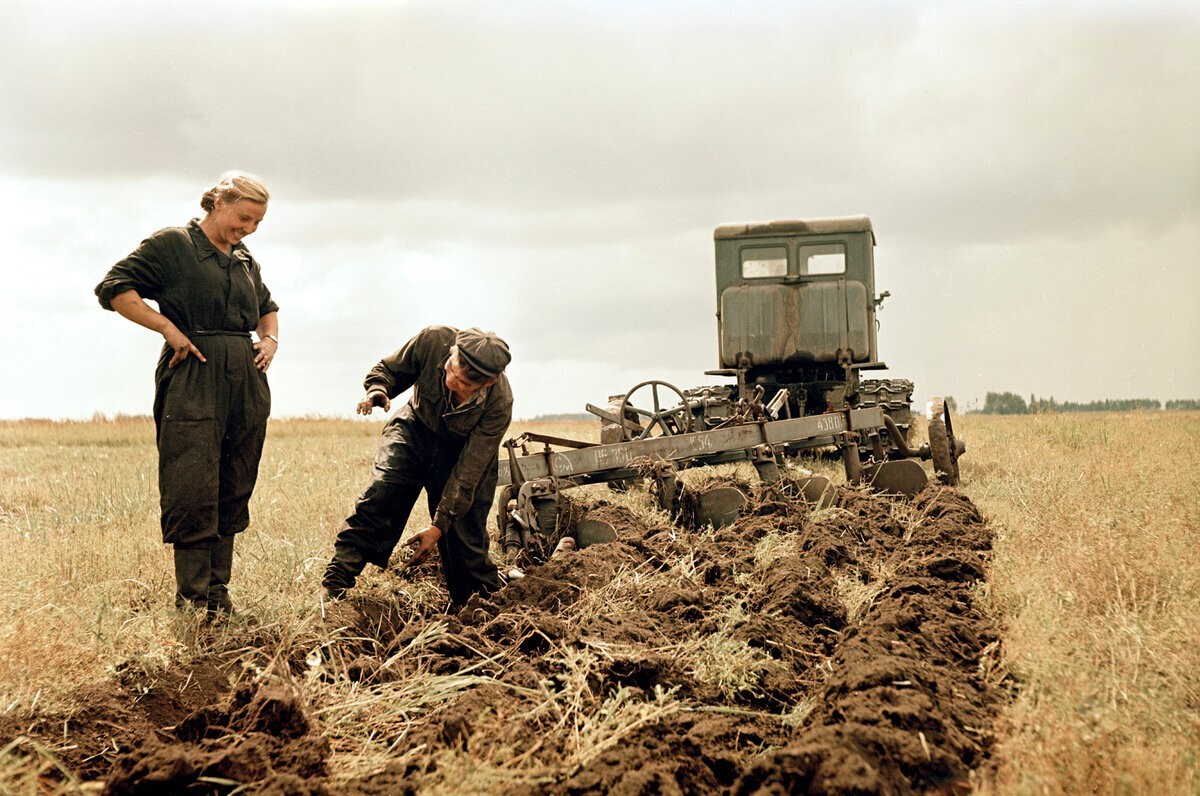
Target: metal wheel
column 676, row 419
column 942, row 447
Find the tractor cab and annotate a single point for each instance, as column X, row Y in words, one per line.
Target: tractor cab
column 796, row 308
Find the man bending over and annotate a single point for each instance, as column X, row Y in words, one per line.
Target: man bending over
column 445, row 440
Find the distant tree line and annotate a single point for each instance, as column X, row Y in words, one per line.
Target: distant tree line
column 1004, row 403
column 1007, row 403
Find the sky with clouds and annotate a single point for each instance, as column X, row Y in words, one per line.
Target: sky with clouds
column 554, row 171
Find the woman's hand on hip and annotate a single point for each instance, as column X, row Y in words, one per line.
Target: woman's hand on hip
column 182, row 345
column 265, row 353
column 129, row 304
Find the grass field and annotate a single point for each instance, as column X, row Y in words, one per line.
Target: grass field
column 1095, row 578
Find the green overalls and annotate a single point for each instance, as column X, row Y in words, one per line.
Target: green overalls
column 210, row 417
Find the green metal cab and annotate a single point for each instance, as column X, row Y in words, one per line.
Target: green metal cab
column 796, row 307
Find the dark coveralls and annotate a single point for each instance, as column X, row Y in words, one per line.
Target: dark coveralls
column 448, row 451
column 210, row 417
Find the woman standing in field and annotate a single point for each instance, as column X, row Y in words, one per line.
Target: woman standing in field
column 211, row 398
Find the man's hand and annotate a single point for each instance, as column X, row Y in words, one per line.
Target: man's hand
column 423, row 544
column 373, row 399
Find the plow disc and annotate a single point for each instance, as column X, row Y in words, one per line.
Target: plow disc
column 900, row 477
column 589, row 532
column 719, row 506
column 815, row 489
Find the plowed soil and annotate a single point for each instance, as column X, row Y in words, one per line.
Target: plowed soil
column 869, row 670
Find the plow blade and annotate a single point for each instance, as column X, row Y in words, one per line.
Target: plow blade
column 901, row 477
column 815, row 490
column 590, row 532
column 720, row 506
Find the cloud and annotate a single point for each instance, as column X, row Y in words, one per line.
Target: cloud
column 964, row 114
column 554, row 171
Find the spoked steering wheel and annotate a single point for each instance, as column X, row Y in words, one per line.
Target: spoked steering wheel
column 671, row 420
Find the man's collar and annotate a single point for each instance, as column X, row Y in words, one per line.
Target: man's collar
column 477, row 397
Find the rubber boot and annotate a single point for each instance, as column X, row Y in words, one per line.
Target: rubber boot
column 342, row 571
column 193, row 572
column 222, row 566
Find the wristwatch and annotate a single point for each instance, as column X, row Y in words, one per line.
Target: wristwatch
column 273, row 337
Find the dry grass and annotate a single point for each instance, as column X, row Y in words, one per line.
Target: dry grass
column 730, row 664
column 1096, row 578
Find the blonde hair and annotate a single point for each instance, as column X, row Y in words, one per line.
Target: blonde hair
column 233, row 187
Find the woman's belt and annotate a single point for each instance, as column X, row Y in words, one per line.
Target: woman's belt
column 215, row 333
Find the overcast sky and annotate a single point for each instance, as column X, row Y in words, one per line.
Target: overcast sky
column 554, row 171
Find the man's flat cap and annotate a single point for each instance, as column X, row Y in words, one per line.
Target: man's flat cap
column 483, row 351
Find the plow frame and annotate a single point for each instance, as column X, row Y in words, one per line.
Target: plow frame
column 586, row 463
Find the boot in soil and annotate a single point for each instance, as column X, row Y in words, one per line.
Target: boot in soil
column 343, row 570
column 221, row 563
column 193, row 573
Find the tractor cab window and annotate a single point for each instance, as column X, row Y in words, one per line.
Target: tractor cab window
column 820, row 259
column 764, row 262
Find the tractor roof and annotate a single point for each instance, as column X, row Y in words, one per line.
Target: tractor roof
column 816, row 226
